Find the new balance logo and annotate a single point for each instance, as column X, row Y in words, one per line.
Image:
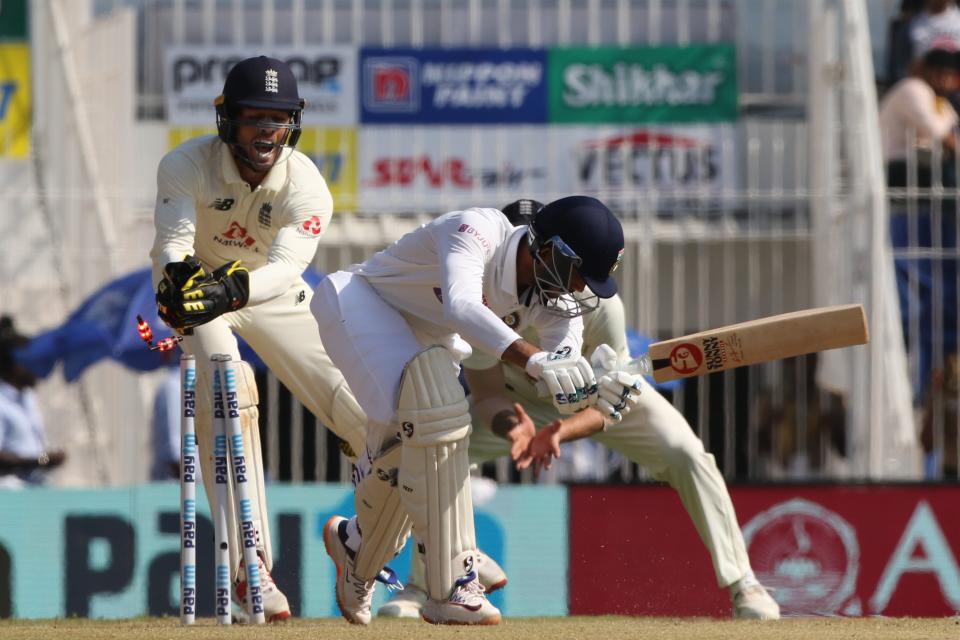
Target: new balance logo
column 222, row 204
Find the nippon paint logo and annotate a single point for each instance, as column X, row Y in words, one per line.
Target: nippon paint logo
column 482, row 85
column 391, row 84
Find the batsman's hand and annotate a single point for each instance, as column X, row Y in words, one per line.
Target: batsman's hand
column 568, row 377
column 618, row 391
column 199, row 298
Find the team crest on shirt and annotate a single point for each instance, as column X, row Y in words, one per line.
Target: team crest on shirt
column 511, row 320
column 265, row 216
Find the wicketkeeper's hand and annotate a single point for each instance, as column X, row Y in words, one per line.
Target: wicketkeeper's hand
column 618, row 390
column 568, row 377
column 187, row 302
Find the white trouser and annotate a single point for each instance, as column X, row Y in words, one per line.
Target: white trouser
column 372, row 343
column 369, row 341
column 656, row 436
column 284, row 334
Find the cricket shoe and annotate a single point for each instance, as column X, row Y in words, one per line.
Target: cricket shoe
column 467, row 605
column 754, row 603
column 405, row 604
column 491, row 575
column 275, row 605
column 354, row 594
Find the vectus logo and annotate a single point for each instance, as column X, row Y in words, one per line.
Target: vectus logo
column 647, row 158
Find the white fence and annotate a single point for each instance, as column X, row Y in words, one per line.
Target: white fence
column 801, row 151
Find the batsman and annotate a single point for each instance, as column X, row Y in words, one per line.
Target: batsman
column 238, row 218
column 399, row 325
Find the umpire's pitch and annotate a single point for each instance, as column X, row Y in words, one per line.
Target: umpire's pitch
column 587, row 628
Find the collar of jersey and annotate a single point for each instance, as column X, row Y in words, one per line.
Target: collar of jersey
column 508, row 268
column 273, row 182
column 10, row 392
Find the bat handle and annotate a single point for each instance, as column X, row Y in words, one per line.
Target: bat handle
column 639, row 365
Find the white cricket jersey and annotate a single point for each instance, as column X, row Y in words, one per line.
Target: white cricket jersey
column 458, row 273
column 204, row 208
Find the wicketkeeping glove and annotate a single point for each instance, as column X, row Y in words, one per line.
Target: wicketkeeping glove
column 568, row 377
column 200, row 299
column 618, row 390
column 176, row 276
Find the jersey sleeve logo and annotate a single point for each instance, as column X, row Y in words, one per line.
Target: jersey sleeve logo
column 472, row 231
column 311, row 228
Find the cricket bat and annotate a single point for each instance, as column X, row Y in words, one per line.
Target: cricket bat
column 772, row 338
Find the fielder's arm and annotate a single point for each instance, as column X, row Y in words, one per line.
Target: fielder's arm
column 492, row 407
column 544, row 447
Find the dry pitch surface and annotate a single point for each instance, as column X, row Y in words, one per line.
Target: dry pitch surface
column 588, row 628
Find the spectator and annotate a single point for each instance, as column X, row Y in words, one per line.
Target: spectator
column 915, row 115
column 917, row 128
column 939, row 433
column 936, row 27
column 24, row 458
column 899, row 45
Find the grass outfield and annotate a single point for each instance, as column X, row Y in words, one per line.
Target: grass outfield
column 587, row 628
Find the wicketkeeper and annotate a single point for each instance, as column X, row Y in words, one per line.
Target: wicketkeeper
column 238, row 218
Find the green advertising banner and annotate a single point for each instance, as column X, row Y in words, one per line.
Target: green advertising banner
column 13, row 20
column 672, row 84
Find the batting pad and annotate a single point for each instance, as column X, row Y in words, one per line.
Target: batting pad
column 383, row 521
column 247, row 400
column 435, row 467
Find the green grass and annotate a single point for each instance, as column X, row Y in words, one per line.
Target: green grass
column 572, row 628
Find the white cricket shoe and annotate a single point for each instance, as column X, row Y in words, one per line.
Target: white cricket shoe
column 405, row 604
column 275, row 605
column 754, row 603
column 409, row 602
column 354, row 595
column 491, row 575
column 467, row 604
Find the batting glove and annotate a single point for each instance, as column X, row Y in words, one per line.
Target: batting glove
column 618, row 391
column 567, row 376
